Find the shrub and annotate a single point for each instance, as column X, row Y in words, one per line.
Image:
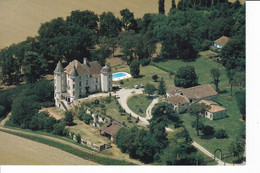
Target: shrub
column 208, row 130
column 58, row 129
column 96, row 102
column 121, row 82
column 48, row 123
column 144, row 62
column 68, row 117
column 87, row 118
column 221, row 133
column 78, row 138
column 155, row 77
column 34, row 123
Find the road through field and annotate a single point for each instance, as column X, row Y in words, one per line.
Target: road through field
column 15, row 150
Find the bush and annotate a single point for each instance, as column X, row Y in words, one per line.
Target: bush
column 78, row 138
column 121, row 82
column 68, row 117
column 58, row 129
column 221, row 133
column 48, row 124
column 155, row 77
column 87, row 118
column 208, row 130
column 144, row 62
column 34, row 123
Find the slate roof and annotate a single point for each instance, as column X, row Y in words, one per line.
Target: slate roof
column 106, row 69
column 177, row 100
column 111, row 128
column 93, row 68
column 214, row 107
column 222, row 40
column 59, row 68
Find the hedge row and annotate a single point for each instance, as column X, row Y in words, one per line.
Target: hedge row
column 161, row 67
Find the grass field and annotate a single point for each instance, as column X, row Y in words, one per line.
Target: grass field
column 139, row 103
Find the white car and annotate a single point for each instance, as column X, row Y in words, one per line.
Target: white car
column 117, row 97
column 136, row 86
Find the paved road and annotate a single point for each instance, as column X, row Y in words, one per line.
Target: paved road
column 124, row 94
column 149, row 109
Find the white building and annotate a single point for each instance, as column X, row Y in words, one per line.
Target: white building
column 79, row 80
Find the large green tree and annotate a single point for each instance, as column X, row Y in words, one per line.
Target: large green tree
column 149, row 89
column 128, row 21
column 186, row 77
column 135, row 68
column 162, row 87
column 33, row 66
column 215, row 74
column 161, row 7
column 110, row 26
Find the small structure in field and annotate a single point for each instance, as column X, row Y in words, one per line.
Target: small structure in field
column 215, row 111
column 110, row 130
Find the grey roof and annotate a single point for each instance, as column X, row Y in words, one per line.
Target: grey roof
column 59, row 68
column 74, row 73
column 106, row 69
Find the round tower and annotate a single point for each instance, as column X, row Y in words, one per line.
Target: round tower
column 74, row 84
column 59, row 81
column 106, row 79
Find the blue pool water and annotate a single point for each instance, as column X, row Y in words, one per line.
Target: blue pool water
column 117, row 75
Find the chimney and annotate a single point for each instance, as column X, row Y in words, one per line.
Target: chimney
column 85, row 61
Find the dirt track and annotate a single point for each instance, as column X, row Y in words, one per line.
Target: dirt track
column 19, row 151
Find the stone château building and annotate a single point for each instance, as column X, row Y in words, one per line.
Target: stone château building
column 79, row 80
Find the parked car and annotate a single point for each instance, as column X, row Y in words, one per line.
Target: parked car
column 136, row 86
column 141, row 85
column 117, row 97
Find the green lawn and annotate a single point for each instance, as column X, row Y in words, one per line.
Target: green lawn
column 146, row 74
column 139, row 103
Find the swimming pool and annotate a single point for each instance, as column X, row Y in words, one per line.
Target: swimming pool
column 120, row 76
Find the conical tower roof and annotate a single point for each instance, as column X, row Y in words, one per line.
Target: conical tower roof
column 59, row 68
column 106, row 69
column 74, row 72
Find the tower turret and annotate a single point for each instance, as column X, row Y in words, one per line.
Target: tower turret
column 106, row 79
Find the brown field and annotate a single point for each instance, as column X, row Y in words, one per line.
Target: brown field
column 15, row 150
column 22, row 18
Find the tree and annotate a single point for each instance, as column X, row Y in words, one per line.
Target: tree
column 87, row 19
column 197, row 110
column 221, row 133
column 237, row 148
column 68, row 117
column 33, row 66
column 241, row 102
column 208, row 130
column 135, row 68
column 10, row 70
column 128, row 21
column 161, row 6
column 186, row 77
column 48, row 123
column 162, row 87
column 87, row 118
column 155, row 77
column 34, row 123
column 149, row 89
column 110, row 26
column 215, row 74
column 173, row 4
column 58, row 129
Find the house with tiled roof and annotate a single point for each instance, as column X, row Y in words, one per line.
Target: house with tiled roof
column 220, row 42
column 79, row 80
column 181, row 98
column 110, row 130
column 215, row 111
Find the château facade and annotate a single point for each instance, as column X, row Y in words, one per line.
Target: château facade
column 79, row 80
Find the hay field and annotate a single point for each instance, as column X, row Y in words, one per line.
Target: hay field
column 15, row 150
column 20, row 19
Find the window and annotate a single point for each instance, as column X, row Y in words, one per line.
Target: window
column 80, row 84
column 73, row 80
column 96, row 80
column 73, row 86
